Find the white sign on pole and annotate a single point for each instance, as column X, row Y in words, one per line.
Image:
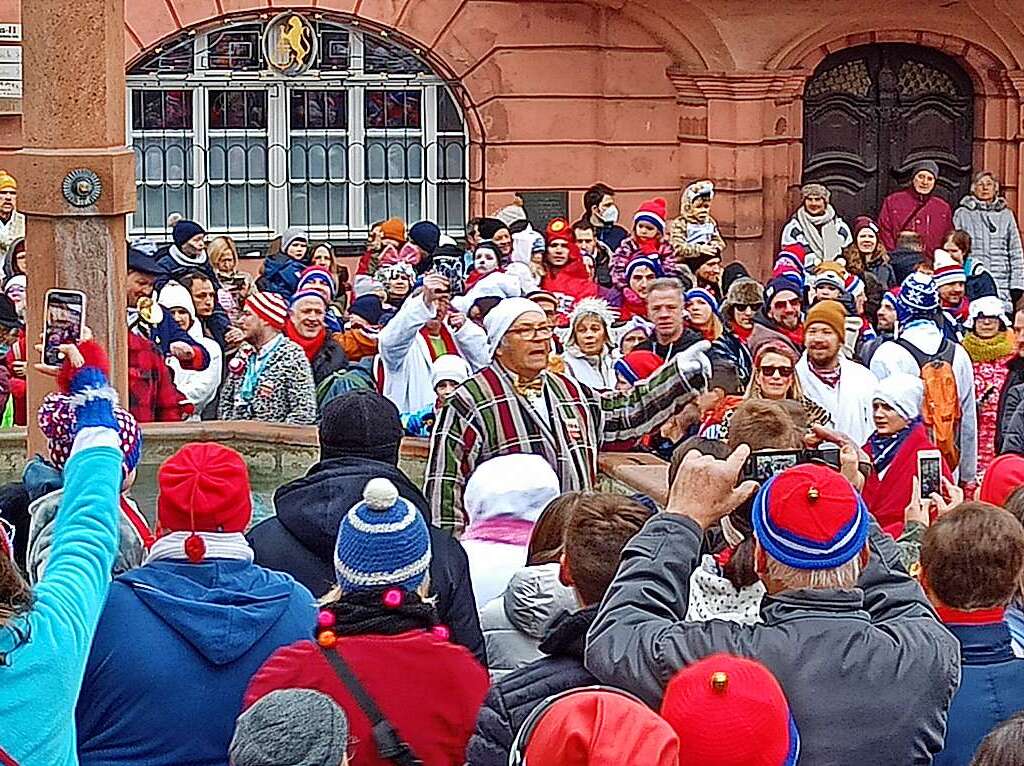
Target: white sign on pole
column 10, row 33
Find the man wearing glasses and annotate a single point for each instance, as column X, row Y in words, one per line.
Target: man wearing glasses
column 782, row 316
column 516, row 405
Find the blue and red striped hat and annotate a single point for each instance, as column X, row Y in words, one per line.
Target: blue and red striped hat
column 810, row 517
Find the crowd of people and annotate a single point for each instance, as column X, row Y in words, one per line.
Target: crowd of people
column 835, row 577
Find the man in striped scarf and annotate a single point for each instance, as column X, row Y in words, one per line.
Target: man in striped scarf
column 516, row 405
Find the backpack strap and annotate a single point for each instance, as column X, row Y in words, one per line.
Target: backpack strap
column 390, row 747
column 945, row 352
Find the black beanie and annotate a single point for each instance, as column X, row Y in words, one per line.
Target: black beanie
column 488, row 227
column 360, row 423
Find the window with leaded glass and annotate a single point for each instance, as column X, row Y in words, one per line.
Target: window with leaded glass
column 237, row 155
column 162, row 133
column 318, row 158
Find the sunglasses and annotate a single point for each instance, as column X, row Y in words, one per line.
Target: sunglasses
column 771, row 371
column 746, row 306
column 795, row 302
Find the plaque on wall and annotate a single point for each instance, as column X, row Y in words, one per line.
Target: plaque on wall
column 542, row 206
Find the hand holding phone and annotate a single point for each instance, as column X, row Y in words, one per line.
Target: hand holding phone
column 63, row 322
column 929, row 472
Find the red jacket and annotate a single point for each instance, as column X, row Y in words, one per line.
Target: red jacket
column 152, row 396
column 429, row 689
column 887, row 498
column 906, row 210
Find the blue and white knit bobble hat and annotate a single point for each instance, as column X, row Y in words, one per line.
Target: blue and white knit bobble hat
column 382, row 542
column 918, row 298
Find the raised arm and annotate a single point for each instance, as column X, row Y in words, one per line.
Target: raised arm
column 74, row 586
column 652, row 402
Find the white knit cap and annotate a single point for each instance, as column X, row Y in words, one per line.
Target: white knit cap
column 501, row 317
column 449, row 367
column 514, row 486
column 904, row 393
column 986, row 306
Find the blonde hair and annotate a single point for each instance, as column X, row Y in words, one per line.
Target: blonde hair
column 795, row 392
column 218, row 247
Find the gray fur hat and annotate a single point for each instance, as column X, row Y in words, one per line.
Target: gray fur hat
column 815, row 190
column 743, row 291
column 291, row 727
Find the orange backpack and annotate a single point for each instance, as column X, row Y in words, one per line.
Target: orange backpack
column 940, row 409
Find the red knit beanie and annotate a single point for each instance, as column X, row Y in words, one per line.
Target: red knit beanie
column 559, row 229
column 204, row 488
column 730, row 711
column 654, row 212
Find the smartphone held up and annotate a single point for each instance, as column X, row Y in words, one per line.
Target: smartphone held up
column 63, row 322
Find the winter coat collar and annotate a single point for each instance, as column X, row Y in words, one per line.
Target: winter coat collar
column 809, row 602
column 567, row 636
column 973, row 203
column 985, row 644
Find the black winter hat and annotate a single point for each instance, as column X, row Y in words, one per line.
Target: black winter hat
column 730, row 273
column 488, row 227
column 360, row 423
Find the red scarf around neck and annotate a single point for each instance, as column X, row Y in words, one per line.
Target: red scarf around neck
column 951, row 616
column 743, row 333
column 311, row 346
column 446, row 337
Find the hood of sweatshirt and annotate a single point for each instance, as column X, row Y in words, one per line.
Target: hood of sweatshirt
column 221, row 607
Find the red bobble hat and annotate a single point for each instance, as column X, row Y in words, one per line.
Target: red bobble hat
column 730, row 711
column 204, row 488
column 1004, row 476
column 654, row 212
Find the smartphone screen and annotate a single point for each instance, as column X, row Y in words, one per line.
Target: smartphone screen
column 761, row 466
column 929, row 472
column 64, row 321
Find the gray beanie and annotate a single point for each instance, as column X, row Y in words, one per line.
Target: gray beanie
column 929, row 165
column 291, row 727
column 291, row 235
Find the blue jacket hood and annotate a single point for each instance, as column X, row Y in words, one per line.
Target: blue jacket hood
column 222, row 608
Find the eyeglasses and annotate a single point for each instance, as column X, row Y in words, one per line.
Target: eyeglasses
column 539, row 332
column 780, row 304
column 771, row 371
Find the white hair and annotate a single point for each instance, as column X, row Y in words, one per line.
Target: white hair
column 844, row 576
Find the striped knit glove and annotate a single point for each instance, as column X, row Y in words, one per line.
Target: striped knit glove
column 84, row 377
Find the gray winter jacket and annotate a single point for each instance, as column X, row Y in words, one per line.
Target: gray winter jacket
column 516, row 622
column 869, row 673
column 995, row 240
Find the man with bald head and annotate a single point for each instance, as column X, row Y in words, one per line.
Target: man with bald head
column 517, row 405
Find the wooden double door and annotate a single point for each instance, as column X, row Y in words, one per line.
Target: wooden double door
column 871, row 112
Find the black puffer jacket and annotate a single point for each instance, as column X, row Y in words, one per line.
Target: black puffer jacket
column 513, row 698
column 300, row 539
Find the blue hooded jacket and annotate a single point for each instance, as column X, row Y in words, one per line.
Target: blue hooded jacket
column 174, row 651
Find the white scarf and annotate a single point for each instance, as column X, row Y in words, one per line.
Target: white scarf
column 188, row 260
column 821, row 232
column 219, row 545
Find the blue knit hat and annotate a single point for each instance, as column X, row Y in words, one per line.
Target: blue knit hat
column 810, row 517
column 642, row 260
column 778, row 285
column 382, row 542
column 184, row 231
column 704, row 295
column 918, row 298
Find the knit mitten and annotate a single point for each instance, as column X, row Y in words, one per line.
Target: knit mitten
column 694, row 365
column 88, row 388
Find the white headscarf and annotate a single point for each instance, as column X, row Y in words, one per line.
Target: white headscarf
column 501, row 317
column 904, row 393
column 449, row 367
column 176, row 296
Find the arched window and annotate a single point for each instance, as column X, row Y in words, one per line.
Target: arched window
column 366, row 132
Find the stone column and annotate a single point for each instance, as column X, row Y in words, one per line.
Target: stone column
column 743, row 130
column 74, row 117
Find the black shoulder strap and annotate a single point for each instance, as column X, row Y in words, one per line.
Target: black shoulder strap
column 946, row 352
column 390, row 747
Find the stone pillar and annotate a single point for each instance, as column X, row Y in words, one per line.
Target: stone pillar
column 74, row 117
column 743, row 130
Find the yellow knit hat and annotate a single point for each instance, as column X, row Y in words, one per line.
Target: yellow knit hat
column 7, row 182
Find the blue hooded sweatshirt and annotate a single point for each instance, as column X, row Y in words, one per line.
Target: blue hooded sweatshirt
column 175, row 648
